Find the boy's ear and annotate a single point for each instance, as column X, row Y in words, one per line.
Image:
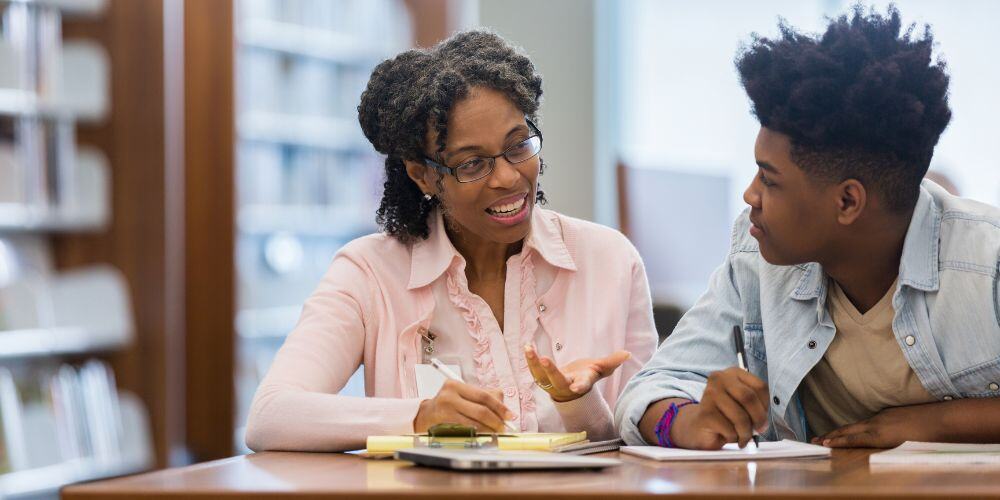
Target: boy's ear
column 852, row 200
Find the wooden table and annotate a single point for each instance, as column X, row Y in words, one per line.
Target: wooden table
column 316, row 475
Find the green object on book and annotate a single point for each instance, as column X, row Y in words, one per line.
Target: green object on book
column 451, row 430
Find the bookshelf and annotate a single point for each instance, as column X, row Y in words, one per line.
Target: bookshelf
column 307, row 179
column 62, row 417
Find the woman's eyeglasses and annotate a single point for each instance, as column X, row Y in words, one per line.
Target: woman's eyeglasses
column 477, row 168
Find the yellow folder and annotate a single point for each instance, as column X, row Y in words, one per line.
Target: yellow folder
column 533, row 441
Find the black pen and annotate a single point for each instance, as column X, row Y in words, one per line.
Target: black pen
column 741, row 356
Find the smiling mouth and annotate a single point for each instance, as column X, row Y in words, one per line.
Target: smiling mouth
column 508, row 209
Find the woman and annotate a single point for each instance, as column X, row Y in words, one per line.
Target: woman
column 532, row 307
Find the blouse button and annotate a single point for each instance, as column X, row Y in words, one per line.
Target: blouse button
column 994, row 386
column 509, row 392
column 559, row 346
column 541, row 307
column 947, row 398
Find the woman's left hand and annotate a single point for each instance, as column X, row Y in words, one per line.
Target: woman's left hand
column 576, row 378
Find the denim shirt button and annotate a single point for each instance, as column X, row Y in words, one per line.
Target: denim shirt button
column 993, row 386
column 910, row 340
column 776, row 401
column 947, row 398
column 812, row 344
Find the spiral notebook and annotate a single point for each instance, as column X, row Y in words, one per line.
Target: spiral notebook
column 587, row 447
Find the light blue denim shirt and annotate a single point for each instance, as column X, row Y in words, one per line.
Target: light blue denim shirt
column 947, row 319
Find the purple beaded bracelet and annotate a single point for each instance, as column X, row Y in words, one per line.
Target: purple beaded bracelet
column 662, row 429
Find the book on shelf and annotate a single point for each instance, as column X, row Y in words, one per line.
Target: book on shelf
column 11, row 170
column 4, row 461
column 100, row 401
column 15, row 447
column 37, row 416
column 22, row 305
column 70, row 426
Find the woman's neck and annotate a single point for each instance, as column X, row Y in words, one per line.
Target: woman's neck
column 484, row 259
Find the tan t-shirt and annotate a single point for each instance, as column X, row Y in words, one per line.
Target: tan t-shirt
column 863, row 371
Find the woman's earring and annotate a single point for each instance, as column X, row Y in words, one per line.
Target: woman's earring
column 428, row 196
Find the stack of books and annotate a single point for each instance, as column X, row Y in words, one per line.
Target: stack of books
column 575, row 443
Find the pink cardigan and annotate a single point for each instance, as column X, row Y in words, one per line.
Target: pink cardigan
column 376, row 299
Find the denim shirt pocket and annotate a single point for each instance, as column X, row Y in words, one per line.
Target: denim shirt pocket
column 980, row 381
column 753, row 336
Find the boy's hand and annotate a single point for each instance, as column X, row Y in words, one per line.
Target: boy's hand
column 887, row 429
column 734, row 404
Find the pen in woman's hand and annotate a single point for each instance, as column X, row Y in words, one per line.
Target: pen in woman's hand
column 448, row 373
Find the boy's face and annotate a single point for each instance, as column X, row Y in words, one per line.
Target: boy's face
column 794, row 217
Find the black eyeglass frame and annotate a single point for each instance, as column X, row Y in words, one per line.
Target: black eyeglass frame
column 453, row 171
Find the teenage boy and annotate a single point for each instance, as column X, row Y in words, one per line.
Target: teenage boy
column 867, row 299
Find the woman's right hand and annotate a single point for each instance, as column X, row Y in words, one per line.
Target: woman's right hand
column 461, row 403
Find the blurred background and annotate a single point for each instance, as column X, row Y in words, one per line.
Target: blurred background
column 175, row 176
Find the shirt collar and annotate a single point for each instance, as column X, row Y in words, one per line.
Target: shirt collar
column 430, row 258
column 811, row 285
column 918, row 266
column 547, row 238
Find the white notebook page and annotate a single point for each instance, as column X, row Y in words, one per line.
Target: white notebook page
column 767, row 450
column 914, row 452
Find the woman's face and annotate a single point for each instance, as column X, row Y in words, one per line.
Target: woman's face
column 496, row 208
